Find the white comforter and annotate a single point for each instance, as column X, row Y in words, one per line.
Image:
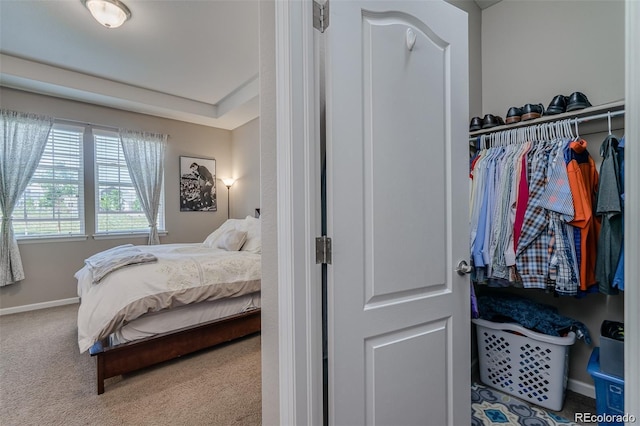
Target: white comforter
column 184, row 274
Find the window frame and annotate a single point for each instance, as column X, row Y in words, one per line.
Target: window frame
column 80, row 235
column 119, row 233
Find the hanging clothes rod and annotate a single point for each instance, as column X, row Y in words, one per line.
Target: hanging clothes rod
column 611, row 114
column 614, row 109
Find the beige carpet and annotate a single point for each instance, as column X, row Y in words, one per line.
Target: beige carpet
column 44, row 380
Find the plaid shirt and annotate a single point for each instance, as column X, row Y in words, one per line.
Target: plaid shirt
column 563, row 265
column 532, row 254
column 557, row 193
column 558, row 200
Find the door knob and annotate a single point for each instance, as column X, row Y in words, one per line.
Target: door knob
column 463, row 268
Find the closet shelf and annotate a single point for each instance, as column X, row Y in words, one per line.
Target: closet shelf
column 583, row 113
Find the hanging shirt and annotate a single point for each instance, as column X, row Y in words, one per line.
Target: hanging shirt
column 493, row 205
column 609, row 209
column 557, row 193
column 503, row 176
column 557, row 199
column 522, row 199
column 532, row 257
column 618, row 279
column 583, row 181
column 563, row 257
column 503, row 255
column 479, row 210
column 520, row 163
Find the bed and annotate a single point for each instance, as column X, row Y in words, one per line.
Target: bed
column 141, row 305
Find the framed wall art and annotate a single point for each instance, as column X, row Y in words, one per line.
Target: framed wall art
column 198, row 184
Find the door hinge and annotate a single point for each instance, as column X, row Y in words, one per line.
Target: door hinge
column 320, row 15
column 323, row 250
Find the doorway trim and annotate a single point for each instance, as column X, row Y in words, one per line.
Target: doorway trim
column 300, row 380
column 632, row 207
column 298, row 215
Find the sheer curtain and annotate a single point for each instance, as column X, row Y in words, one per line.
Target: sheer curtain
column 144, row 154
column 24, row 137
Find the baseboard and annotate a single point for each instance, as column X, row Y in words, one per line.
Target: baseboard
column 582, row 388
column 36, row 306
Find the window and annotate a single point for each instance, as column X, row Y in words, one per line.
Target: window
column 118, row 209
column 53, row 203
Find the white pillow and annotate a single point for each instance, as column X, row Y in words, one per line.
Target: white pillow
column 212, row 240
column 253, row 244
column 232, row 240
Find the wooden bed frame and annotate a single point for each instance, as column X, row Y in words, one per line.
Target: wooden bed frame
column 129, row 357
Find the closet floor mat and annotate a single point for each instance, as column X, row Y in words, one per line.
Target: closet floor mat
column 490, row 407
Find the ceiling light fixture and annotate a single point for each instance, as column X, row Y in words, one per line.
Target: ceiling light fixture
column 110, row 13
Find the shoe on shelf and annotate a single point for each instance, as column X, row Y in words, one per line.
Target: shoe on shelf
column 531, row 111
column 558, row 105
column 513, row 115
column 476, row 124
column 577, row 100
column 490, row 121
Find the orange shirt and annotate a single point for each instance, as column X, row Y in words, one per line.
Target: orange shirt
column 583, row 181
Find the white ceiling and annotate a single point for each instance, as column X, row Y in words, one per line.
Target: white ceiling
column 195, row 61
column 190, row 60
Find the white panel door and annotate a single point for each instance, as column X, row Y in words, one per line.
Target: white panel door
column 397, row 194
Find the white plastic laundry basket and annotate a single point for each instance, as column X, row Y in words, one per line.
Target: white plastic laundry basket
column 528, row 365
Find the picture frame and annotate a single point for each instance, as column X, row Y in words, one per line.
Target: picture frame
column 198, row 191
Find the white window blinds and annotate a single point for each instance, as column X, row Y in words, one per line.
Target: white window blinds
column 53, row 203
column 118, row 208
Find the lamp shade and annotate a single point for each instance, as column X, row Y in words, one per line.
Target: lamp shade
column 228, row 181
column 109, row 13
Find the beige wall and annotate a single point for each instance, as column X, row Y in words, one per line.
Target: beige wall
column 245, row 160
column 268, row 195
column 49, row 267
column 475, row 53
column 532, row 51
